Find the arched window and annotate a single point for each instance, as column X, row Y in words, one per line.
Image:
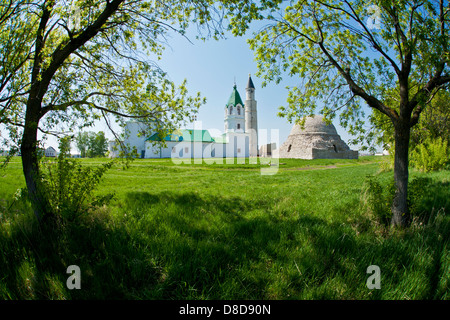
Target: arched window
column 231, row 110
column 239, row 110
column 238, row 125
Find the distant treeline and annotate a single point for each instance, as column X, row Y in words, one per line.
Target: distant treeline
column 91, row 144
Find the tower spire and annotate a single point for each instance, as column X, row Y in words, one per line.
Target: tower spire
column 250, row 82
column 251, row 123
column 234, row 112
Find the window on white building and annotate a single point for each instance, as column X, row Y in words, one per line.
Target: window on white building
column 239, row 110
column 238, row 125
column 186, row 149
column 231, row 110
column 174, row 150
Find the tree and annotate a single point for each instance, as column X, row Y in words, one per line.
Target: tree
column 97, row 145
column 350, row 53
column 82, row 142
column 69, row 64
column 91, row 144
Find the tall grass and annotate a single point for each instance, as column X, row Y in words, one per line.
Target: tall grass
column 204, row 232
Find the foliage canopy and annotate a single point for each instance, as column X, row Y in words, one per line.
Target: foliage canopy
column 70, row 63
column 347, row 54
column 81, row 61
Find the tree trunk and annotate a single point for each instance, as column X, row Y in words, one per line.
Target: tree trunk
column 399, row 208
column 30, row 164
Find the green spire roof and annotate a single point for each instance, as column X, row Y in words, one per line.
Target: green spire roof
column 185, row 135
column 235, row 98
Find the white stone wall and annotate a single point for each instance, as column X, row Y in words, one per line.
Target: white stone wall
column 235, row 119
column 132, row 137
column 113, row 149
column 184, row 150
column 152, row 150
column 267, row 149
column 237, row 146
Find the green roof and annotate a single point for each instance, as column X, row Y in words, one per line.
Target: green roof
column 185, row 135
column 235, row 98
column 222, row 139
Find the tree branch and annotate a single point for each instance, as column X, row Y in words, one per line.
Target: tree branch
column 65, row 106
column 63, row 51
column 357, row 90
column 427, row 92
column 40, row 40
column 366, row 34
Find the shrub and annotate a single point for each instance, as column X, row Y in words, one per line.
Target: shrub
column 387, row 163
column 69, row 186
column 432, row 155
column 376, row 199
column 423, row 195
column 426, row 198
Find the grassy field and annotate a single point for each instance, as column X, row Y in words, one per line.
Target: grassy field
column 224, row 231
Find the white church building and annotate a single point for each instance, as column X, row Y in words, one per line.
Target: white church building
column 239, row 140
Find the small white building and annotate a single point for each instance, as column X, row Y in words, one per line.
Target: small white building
column 50, row 152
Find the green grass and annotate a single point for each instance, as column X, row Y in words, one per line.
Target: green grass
column 223, row 231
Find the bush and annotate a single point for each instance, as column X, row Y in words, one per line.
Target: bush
column 426, row 198
column 69, row 186
column 376, row 199
column 423, row 196
column 387, row 163
column 432, row 155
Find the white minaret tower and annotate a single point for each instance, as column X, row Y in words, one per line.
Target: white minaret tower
column 251, row 121
column 234, row 113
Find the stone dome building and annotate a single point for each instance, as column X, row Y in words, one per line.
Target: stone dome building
column 316, row 140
